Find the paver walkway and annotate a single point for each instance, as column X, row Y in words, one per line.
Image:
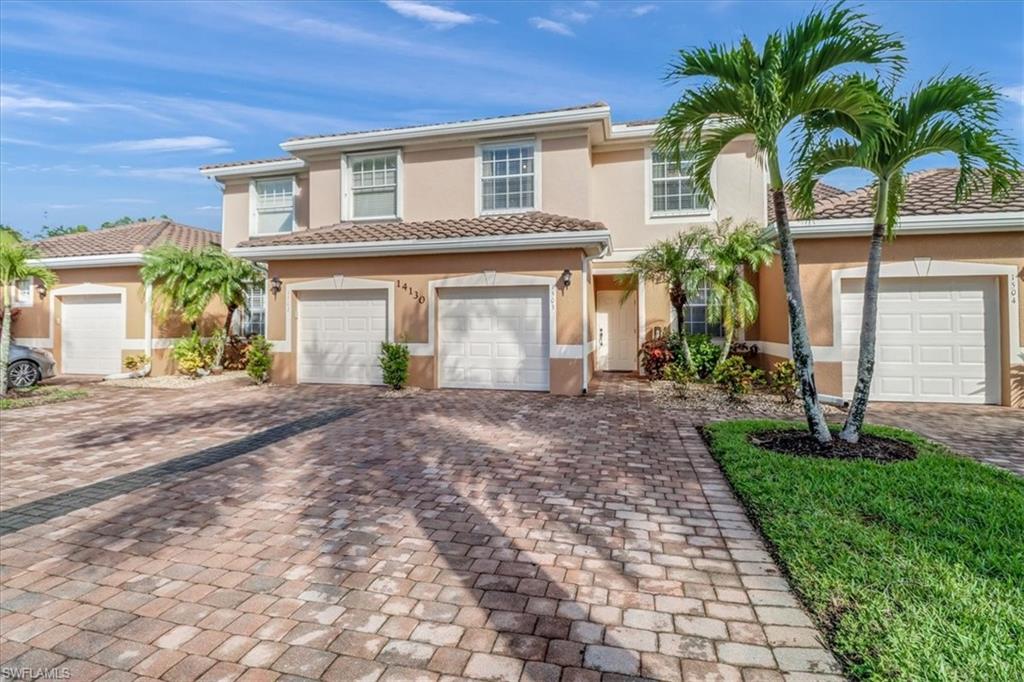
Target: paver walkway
column 446, row 535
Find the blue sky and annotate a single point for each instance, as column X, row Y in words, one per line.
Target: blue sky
column 108, row 109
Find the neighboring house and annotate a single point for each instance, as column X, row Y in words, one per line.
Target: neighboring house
column 486, row 245
column 100, row 311
column 951, row 316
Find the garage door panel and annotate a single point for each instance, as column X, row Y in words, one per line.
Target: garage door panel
column 494, row 338
column 936, row 340
column 340, row 336
column 92, row 333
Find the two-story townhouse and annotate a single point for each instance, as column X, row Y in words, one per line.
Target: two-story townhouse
column 490, row 246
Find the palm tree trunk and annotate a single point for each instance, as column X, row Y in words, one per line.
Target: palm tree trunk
column 868, row 323
column 227, row 335
column 677, row 296
column 800, row 339
column 729, row 326
column 5, row 342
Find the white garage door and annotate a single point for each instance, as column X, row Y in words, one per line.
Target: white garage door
column 937, row 339
column 340, row 333
column 92, row 332
column 494, row 338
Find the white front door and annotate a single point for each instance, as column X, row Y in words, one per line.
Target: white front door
column 937, row 341
column 494, row 337
column 92, row 333
column 616, row 331
column 340, row 333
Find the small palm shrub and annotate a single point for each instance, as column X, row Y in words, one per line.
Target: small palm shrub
column 679, row 376
column 191, row 355
column 782, row 381
column 735, row 376
column 259, row 360
column 394, row 361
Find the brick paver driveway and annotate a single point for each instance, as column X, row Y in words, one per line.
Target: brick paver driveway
column 328, row 532
column 988, row 433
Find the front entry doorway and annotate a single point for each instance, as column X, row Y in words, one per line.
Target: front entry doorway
column 616, row 331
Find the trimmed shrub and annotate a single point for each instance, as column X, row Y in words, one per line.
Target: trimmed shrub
column 735, row 376
column 704, row 353
column 136, row 362
column 782, row 381
column 394, row 361
column 655, row 354
column 259, row 360
column 236, row 352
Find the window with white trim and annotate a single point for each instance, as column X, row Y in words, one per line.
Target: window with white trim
column 275, row 205
column 253, row 319
column 21, row 293
column 672, row 189
column 507, row 177
column 373, row 183
column 696, row 315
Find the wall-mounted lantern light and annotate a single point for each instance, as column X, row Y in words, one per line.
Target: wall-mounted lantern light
column 41, row 289
column 566, row 278
column 275, row 285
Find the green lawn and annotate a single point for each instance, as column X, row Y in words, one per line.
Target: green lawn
column 40, row 395
column 915, row 570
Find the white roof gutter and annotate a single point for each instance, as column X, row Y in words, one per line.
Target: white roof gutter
column 103, row 260
column 591, row 241
column 482, row 127
column 915, row 224
column 250, row 169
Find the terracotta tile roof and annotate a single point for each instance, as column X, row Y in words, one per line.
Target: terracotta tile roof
column 929, row 192
column 484, row 226
column 591, row 105
column 133, row 238
column 252, row 162
column 822, row 192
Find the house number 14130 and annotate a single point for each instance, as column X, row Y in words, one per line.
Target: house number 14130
column 417, row 296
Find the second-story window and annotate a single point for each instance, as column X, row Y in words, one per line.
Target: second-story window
column 672, row 189
column 507, row 174
column 275, row 205
column 374, row 186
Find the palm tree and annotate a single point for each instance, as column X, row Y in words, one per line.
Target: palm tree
column 678, row 263
column 229, row 279
column 957, row 115
column 185, row 282
column 16, row 258
column 759, row 94
column 176, row 277
column 731, row 251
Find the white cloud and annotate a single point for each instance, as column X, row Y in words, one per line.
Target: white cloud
column 551, row 26
column 207, row 208
column 438, row 17
column 64, row 206
column 641, row 10
column 572, row 15
column 1015, row 93
column 188, row 143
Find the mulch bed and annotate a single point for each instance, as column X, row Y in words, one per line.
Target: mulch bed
column 801, row 443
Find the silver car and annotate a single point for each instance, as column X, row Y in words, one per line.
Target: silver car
column 28, row 366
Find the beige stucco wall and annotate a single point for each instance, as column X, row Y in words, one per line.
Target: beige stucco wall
column 34, row 322
column 412, row 316
column 819, row 257
column 618, row 195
